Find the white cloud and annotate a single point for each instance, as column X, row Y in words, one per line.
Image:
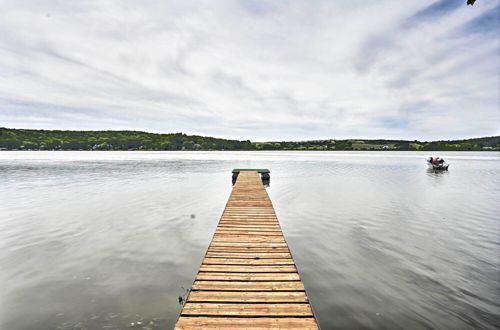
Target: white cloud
column 252, row 69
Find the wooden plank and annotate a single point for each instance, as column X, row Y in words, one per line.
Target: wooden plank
column 255, row 226
column 247, row 247
column 246, row 242
column 249, row 214
column 243, row 233
column 269, row 297
column 273, row 221
column 219, row 309
column 248, row 269
column 254, row 218
column 248, row 286
column 247, row 261
column 243, row 224
column 248, row 255
column 249, row 218
column 250, row 228
column 247, row 238
column 252, row 277
column 246, row 323
column 248, row 278
column 248, row 232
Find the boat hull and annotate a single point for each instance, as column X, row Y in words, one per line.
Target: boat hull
column 440, row 167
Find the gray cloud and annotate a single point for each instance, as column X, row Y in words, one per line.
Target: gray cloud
column 251, row 69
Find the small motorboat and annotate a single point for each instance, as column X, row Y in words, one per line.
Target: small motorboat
column 437, row 163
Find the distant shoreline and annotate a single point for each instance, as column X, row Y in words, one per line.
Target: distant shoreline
column 180, row 151
column 57, row 140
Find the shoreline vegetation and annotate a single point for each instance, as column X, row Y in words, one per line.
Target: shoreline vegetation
column 39, row 139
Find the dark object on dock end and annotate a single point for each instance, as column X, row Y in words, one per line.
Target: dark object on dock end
column 264, row 174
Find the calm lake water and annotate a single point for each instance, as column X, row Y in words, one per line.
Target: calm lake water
column 98, row 240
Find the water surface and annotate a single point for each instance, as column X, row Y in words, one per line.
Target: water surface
column 101, row 240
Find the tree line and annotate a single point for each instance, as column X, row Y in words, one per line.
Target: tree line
column 30, row 139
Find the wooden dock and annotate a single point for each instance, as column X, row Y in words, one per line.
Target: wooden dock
column 248, row 278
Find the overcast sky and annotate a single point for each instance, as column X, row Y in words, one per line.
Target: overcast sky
column 259, row 70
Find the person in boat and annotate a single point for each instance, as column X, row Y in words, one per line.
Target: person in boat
column 435, row 161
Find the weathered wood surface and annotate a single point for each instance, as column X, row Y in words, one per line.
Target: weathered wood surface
column 248, row 278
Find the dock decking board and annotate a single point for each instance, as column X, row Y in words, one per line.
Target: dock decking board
column 248, row 278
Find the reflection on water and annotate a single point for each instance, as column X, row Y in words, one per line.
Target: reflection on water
column 108, row 240
column 436, row 174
